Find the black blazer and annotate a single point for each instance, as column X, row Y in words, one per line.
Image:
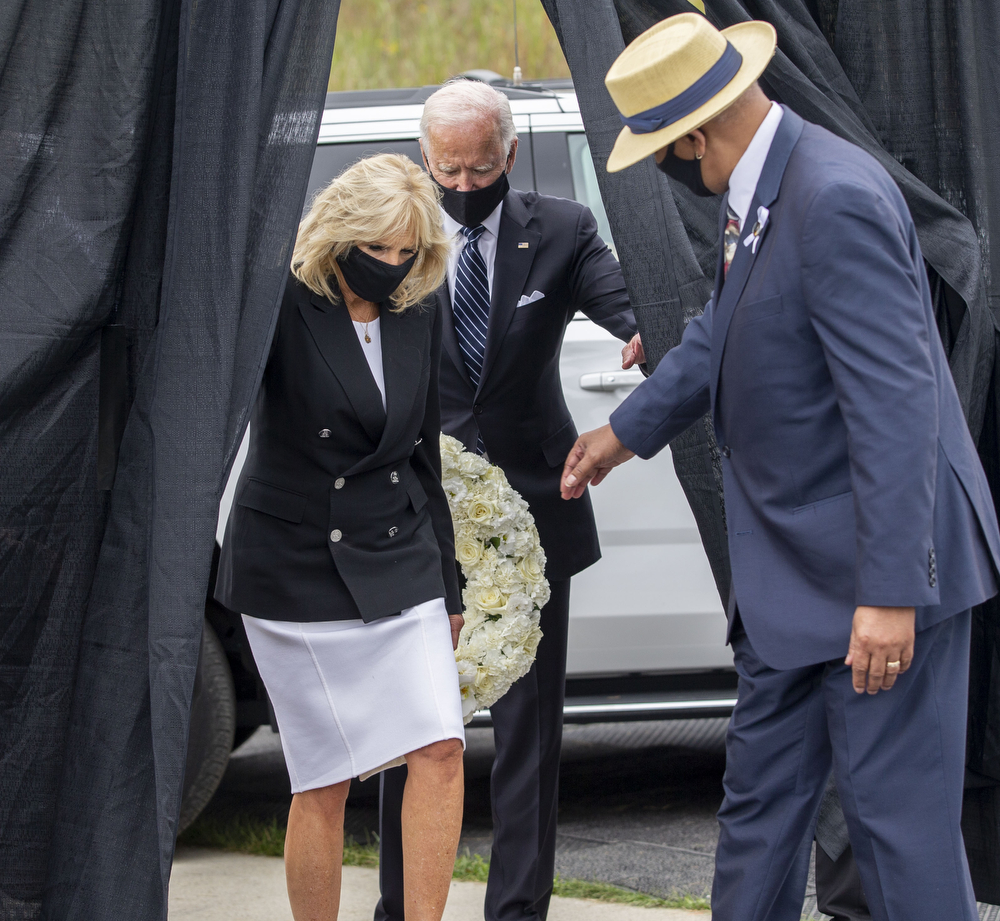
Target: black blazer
column 339, row 509
column 549, row 245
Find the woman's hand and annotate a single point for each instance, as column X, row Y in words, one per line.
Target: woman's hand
column 457, row 622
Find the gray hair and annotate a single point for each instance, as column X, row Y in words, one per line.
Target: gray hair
column 460, row 101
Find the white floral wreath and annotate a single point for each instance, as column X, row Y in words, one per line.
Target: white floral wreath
column 496, row 543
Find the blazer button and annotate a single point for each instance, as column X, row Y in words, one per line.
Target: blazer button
column 478, row 409
column 393, row 532
column 335, row 535
column 324, row 433
column 724, row 451
column 393, row 477
column 339, row 483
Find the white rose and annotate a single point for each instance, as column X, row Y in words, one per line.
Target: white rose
column 531, row 569
column 490, row 599
column 481, row 510
column 468, row 550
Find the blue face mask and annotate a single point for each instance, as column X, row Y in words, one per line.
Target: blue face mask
column 686, row 172
column 371, row 278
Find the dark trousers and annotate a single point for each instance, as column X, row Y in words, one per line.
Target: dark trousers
column 898, row 758
column 839, row 892
column 524, row 787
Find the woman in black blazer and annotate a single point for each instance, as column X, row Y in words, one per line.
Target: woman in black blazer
column 339, row 550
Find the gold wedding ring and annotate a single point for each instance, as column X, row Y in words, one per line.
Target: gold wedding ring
column 895, row 664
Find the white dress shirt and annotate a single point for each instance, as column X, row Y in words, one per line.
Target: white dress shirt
column 743, row 181
column 487, row 245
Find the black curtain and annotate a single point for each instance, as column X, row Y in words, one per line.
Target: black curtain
column 916, row 84
column 156, row 154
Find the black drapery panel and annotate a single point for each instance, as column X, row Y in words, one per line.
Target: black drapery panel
column 156, row 154
column 913, row 82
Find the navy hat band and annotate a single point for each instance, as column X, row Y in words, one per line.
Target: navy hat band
column 694, row 97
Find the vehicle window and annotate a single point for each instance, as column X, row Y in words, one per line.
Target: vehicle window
column 330, row 159
column 585, row 187
column 550, row 159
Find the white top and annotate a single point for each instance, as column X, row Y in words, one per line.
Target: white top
column 743, row 181
column 373, row 351
column 487, row 245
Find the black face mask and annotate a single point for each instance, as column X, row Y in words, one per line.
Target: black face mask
column 470, row 209
column 686, row 172
column 371, row 278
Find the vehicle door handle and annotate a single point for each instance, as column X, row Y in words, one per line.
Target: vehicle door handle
column 611, row 380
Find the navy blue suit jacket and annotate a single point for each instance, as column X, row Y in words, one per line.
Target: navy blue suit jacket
column 849, row 473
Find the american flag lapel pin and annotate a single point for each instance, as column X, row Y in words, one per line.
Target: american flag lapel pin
column 522, row 245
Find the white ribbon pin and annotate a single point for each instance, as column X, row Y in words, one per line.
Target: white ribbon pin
column 758, row 230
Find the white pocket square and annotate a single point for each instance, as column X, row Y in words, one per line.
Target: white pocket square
column 530, row 298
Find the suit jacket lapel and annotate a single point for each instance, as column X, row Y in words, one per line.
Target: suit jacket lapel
column 402, row 362
column 510, row 272
column 728, row 295
column 449, row 337
column 332, row 331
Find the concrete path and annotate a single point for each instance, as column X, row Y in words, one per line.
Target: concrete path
column 208, row 885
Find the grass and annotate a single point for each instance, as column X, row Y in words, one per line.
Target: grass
column 249, row 835
column 388, row 43
column 605, row 892
column 244, row 834
column 360, row 855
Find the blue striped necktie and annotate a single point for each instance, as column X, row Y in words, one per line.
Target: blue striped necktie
column 472, row 302
column 471, row 307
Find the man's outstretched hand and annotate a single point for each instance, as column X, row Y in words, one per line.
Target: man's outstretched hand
column 633, row 353
column 593, row 455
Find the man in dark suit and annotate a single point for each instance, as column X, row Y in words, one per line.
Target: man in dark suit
column 859, row 520
column 524, row 264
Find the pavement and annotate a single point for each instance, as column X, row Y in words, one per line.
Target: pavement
column 637, row 801
column 209, row 885
column 636, row 809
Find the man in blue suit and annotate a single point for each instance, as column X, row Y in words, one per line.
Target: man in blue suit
column 860, row 525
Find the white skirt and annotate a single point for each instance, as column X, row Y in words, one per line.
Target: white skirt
column 352, row 697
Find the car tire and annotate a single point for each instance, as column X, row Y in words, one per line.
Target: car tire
column 213, row 727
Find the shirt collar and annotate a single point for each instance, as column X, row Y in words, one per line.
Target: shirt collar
column 743, row 181
column 491, row 223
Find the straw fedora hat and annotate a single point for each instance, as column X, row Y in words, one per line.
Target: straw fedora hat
column 680, row 74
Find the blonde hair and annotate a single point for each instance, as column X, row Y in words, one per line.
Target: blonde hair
column 377, row 199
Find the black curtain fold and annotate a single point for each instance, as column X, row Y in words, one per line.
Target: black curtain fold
column 914, row 83
column 158, row 156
